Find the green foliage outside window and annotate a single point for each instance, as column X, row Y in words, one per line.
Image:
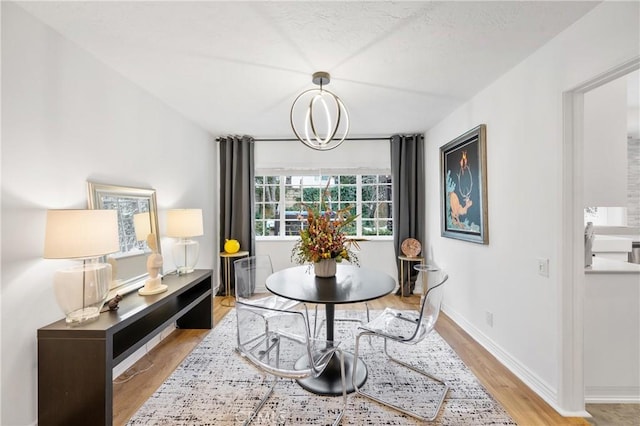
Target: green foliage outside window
column 366, row 196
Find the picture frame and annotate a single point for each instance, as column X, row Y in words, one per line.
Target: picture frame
column 463, row 187
column 130, row 263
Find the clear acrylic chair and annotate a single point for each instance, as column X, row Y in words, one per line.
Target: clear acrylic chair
column 408, row 328
column 284, row 348
column 252, row 272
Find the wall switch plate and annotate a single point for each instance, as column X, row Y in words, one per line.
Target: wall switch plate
column 543, row 267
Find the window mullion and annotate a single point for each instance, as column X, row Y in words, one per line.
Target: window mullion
column 359, row 206
column 282, row 207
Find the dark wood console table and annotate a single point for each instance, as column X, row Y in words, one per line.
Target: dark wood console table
column 75, row 383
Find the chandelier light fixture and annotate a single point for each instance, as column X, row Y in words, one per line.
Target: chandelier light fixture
column 319, row 118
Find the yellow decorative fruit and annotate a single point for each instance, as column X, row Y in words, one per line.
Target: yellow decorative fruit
column 231, row 246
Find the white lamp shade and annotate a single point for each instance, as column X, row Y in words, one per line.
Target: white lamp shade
column 142, row 225
column 184, row 223
column 74, row 234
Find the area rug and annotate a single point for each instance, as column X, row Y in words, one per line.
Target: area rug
column 215, row 386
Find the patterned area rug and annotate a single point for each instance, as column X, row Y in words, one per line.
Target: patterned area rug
column 214, row 386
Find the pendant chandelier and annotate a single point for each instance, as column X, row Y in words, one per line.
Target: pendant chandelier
column 319, row 119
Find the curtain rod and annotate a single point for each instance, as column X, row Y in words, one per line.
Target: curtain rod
column 296, row 140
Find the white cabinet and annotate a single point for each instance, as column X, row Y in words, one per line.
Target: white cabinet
column 612, row 247
column 612, row 332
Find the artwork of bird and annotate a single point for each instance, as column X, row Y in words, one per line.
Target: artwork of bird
column 465, row 186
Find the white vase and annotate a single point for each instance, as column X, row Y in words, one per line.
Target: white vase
column 325, row 268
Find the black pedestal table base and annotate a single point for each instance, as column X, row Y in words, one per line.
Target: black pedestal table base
column 329, row 383
column 351, row 284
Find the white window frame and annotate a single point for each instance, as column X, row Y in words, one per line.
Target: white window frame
column 283, row 173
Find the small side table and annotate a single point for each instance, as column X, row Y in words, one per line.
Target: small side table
column 226, row 274
column 408, row 260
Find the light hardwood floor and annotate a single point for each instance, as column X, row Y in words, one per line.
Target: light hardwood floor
column 134, row 386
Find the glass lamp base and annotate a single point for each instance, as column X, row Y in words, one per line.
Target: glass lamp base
column 82, row 290
column 82, row 315
column 185, row 255
column 183, row 270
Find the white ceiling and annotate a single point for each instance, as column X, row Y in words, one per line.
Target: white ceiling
column 236, row 67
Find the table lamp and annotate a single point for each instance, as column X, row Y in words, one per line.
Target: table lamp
column 185, row 224
column 86, row 235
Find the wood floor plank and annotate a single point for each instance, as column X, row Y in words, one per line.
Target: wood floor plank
column 134, row 386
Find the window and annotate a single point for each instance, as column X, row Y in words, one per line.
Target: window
column 606, row 216
column 280, row 202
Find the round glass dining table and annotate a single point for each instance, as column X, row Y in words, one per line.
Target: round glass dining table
column 351, row 284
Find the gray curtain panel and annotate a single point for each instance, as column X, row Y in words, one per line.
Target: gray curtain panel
column 237, row 184
column 408, row 191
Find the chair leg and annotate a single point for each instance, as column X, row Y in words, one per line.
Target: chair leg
column 441, row 396
column 355, row 360
column 264, row 399
column 336, row 422
column 411, row 367
column 315, row 319
column 315, row 322
column 344, row 389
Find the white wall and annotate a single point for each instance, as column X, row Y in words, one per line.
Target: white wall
column 523, row 114
column 66, row 119
column 605, row 145
column 372, row 154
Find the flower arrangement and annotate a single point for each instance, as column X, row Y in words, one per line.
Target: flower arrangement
column 324, row 238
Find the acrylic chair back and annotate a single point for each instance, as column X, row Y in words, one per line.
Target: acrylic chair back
column 275, row 341
column 433, row 280
column 408, row 328
column 251, row 272
column 276, row 347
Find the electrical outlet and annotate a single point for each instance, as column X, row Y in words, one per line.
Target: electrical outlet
column 543, row 267
column 488, row 317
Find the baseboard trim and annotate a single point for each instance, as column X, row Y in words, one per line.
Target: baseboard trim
column 532, row 380
column 612, row 395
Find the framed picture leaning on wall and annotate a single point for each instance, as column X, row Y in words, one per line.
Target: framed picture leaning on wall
column 463, row 187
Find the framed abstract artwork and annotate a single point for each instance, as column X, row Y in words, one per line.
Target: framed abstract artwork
column 463, row 187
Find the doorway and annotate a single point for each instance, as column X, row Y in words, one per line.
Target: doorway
column 571, row 386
